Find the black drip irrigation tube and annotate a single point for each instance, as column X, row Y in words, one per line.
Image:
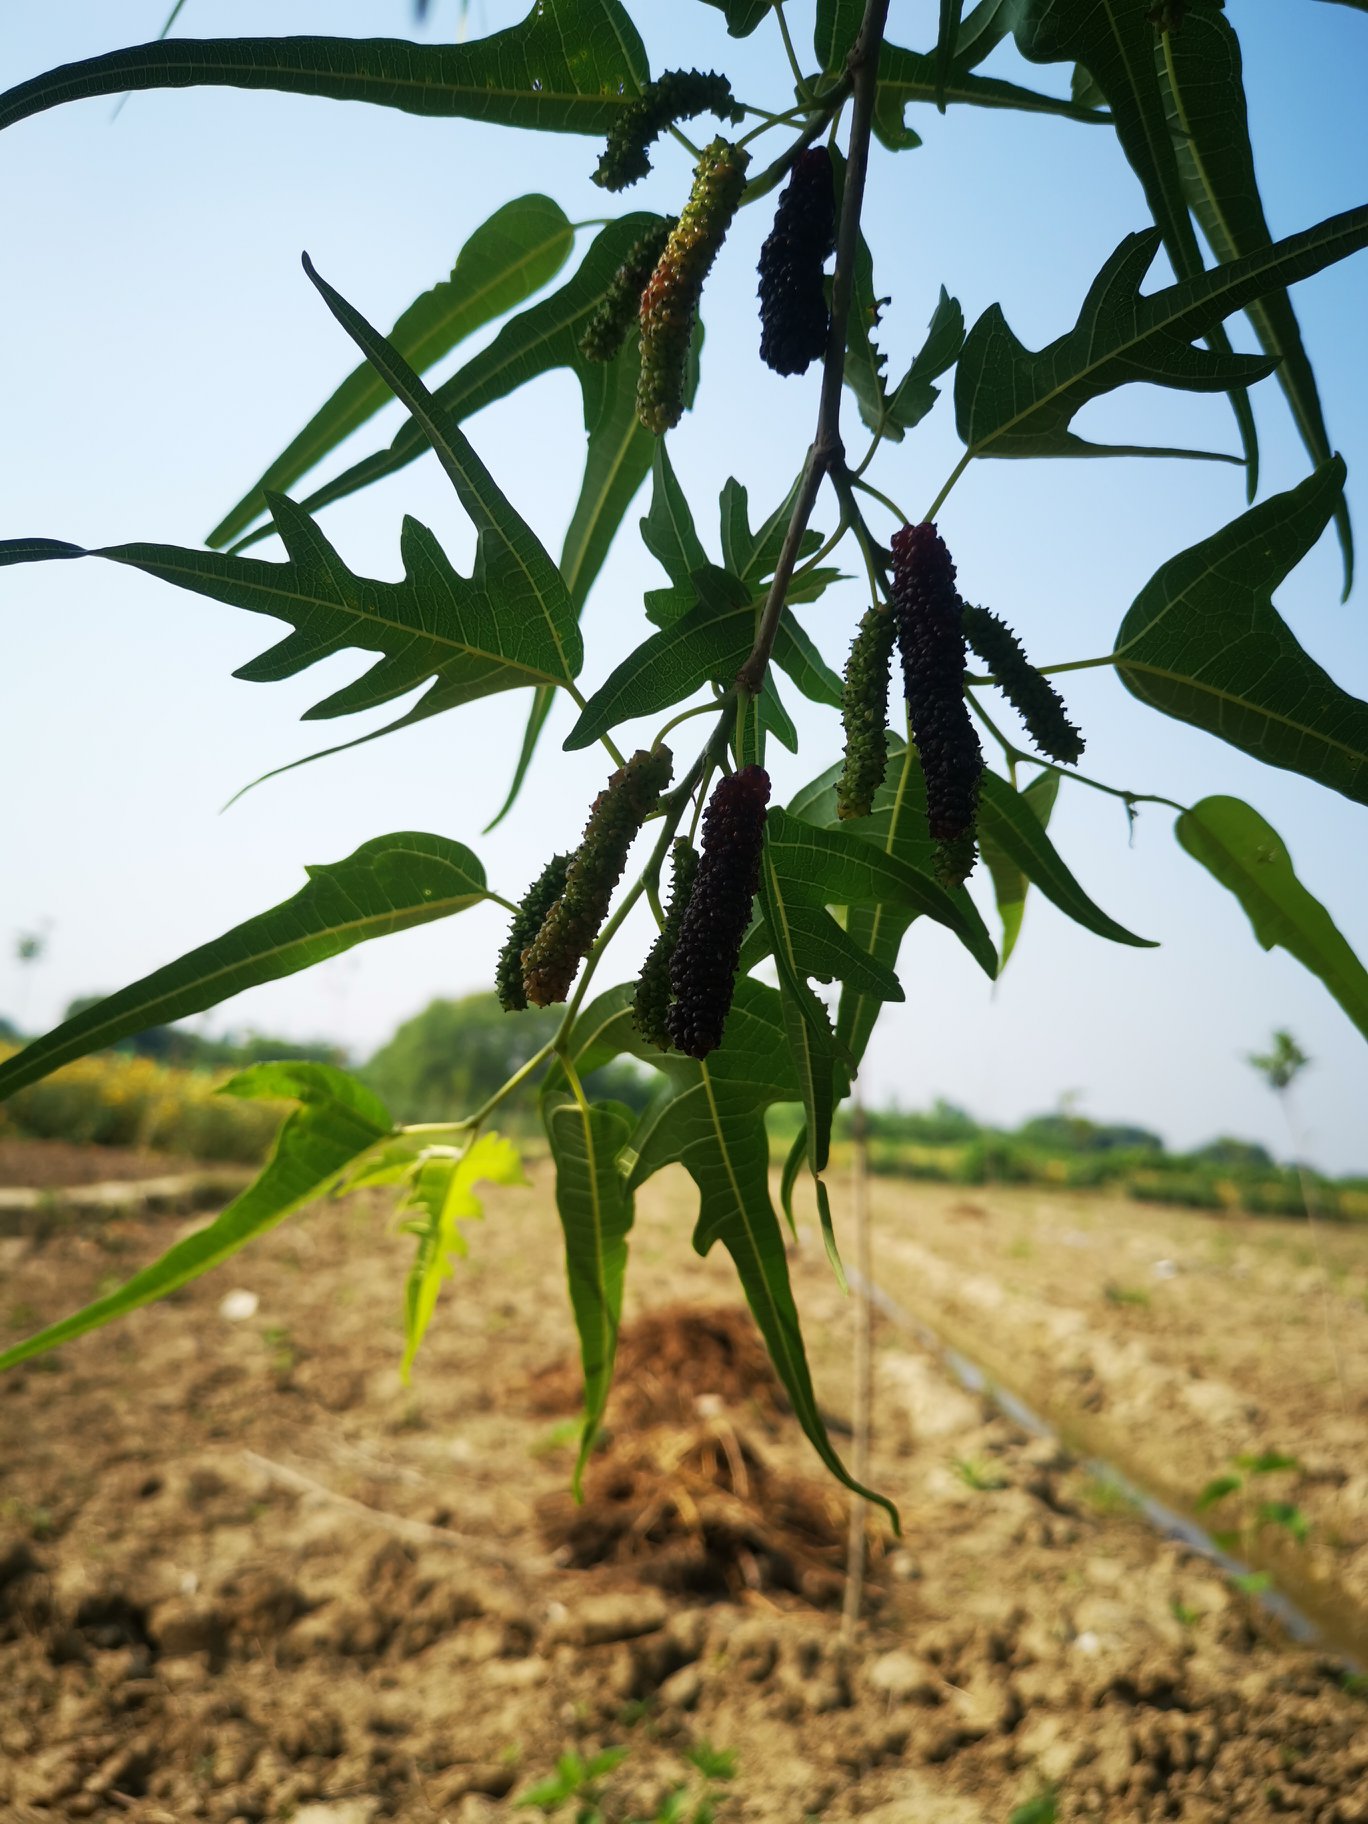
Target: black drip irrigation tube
column 1165, row 1520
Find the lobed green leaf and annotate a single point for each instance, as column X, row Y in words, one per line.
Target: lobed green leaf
column 569, row 67
column 1202, row 642
column 1012, row 401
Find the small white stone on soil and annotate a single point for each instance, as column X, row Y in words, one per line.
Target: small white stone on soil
column 238, row 1305
column 905, row 1679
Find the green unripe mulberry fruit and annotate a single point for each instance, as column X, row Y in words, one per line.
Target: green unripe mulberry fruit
column 651, row 1004
column 864, row 714
column 670, row 300
column 703, row 967
column 619, row 309
column 529, row 918
column 552, row 959
column 1031, row 694
column 675, row 95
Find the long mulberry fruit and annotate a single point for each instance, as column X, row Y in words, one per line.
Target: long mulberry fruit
column 864, row 714
column 551, row 960
column 650, row 1007
column 675, row 95
column 794, row 314
column 671, row 296
column 703, row 967
column 928, row 614
column 529, row 918
column 1030, row 693
column 620, row 306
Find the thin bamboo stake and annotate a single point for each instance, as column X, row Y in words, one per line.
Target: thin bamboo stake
column 864, row 1369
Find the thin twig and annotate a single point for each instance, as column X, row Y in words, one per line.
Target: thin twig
column 827, row 451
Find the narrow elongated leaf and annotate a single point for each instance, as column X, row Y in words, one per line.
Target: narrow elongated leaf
column 710, row 1118
column 1012, row 826
column 1011, row 401
column 441, row 1191
column 1117, row 48
column 1249, row 858
column 569, row 67
column 596, row 1210
column 788, row 1178
column 1201, row 80
column 518, row 250
column 536, row 341
column 669, row 534
column 708, row 644
column 896, row 827
column 839, row 868
column 618, row 455
column 390, row 884
column 1010, row 883
column 805, row 1018
column 338, row 1120
column 1203, row 643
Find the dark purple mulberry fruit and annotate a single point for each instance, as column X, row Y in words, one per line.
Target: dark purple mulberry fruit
column 794, row 315
column 703, row 967
column 651, row 1004
column 619, row 308
column 528, row 920
column 864, row 714
column 552, row 959
column 1030, row 693
column 675, row 95
column 928, row 614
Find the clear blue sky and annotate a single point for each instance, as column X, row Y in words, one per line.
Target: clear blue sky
column 160, row 344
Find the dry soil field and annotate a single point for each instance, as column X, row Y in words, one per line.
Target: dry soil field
column 246, row 1574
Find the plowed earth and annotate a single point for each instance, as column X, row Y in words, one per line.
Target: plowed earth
column 246, row 1574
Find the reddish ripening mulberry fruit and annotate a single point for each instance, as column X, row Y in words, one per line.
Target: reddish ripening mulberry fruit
column 675, row 95
column 551, row 960
column 670, row 299
column 529, row 918
column 794, row 314
column 703, row 967
column 928, row 614
column 619, row 308
column 864, row 714
column 1032, row 695
column 651, row 1004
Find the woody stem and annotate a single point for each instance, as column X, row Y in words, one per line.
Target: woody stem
column 827, row 451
